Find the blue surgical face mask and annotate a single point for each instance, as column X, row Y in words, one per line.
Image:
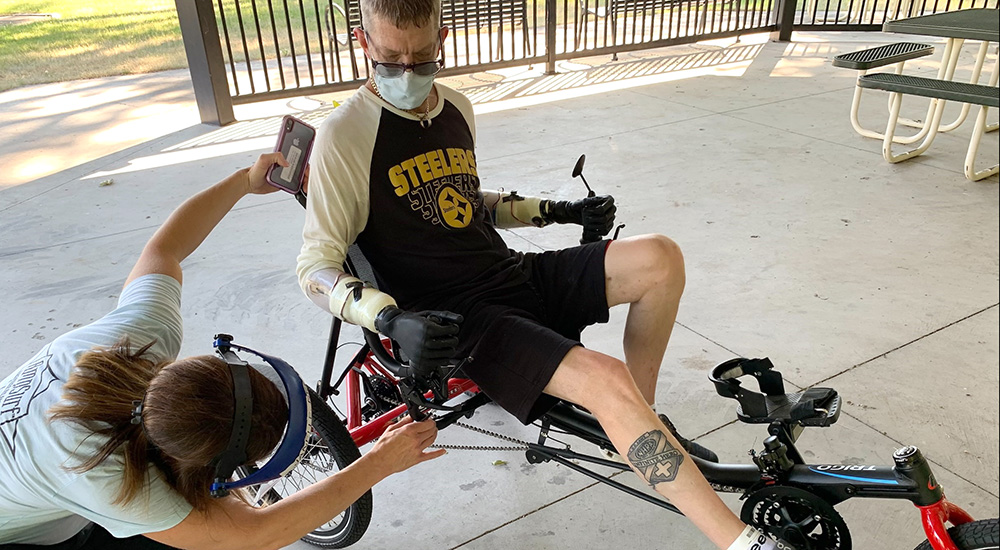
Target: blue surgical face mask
column 405, row 92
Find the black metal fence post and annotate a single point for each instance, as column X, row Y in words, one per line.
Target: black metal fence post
column 785, row 16
column 550, row 36
column 204, row 55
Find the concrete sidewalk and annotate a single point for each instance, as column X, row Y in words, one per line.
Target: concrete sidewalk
column 801, row 244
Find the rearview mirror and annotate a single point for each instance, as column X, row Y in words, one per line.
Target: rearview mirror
column 578, row 169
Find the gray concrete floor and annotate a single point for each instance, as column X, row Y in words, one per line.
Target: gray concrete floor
column 801, row 243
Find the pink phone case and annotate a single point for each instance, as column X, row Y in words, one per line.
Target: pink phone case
column 295, row 142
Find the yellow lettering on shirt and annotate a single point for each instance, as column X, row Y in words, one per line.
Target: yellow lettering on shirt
column 408, row 166
column 399, row 181
column 454, row 161
column 470, row 157
column 434, row 163
column 463, row 166
column 445, row 166
column 422, row 168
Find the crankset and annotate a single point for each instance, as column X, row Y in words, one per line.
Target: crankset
column 381, row 396
column 804, row 520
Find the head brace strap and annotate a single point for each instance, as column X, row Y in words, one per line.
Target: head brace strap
column 235, row 454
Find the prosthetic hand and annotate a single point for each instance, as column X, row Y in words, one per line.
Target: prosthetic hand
column 428, row 338
column 752, row 539
column 595, row 214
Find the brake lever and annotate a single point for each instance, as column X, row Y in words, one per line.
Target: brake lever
column 412, row 396
column 412, row 390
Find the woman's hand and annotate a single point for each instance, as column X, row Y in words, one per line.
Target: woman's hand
column 402, row 445
column 257, row 174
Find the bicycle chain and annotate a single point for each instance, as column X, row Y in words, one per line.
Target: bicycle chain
column 522, row 445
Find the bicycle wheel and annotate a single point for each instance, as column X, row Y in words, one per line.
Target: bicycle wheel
column 977, row 535
column 330, row 449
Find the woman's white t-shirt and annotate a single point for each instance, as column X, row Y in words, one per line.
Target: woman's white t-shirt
column 41, row 500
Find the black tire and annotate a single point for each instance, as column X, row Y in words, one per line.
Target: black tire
column 330, row 440
column 977, row 535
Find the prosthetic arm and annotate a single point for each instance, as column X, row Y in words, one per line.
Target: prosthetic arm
column 509, row 210
column 347, row 297
column 512, row 210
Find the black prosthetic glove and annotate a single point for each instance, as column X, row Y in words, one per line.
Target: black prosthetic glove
column 595, row 214
column 428, row 338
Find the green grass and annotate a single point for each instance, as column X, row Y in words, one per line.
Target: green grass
column 93, row 39
column 90, row 39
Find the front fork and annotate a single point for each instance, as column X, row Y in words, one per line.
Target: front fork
column 934, row 518
column 935, row 510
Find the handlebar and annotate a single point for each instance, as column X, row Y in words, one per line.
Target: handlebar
column 415, row 381
column 374, row 342
column 597, row 238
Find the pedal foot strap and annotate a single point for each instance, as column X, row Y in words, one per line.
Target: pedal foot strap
column 812, row 407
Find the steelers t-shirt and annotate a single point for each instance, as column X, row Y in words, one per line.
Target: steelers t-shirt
column 409, row 195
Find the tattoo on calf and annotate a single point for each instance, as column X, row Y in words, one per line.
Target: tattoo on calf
column 655, row 458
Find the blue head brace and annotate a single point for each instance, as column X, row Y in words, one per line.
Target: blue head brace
column 297, row 432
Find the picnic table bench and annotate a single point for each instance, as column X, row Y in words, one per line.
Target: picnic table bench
column 972, row 94
column 872, row 58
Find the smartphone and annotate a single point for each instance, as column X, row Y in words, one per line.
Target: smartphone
column 295, row 141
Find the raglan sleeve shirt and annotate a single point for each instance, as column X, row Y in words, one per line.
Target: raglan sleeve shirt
column 337, row 210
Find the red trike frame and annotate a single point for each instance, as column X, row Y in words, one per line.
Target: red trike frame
column 365, row 432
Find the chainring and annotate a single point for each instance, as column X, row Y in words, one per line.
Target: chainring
column 385, row 390
column 384, row 397
column 798, row 517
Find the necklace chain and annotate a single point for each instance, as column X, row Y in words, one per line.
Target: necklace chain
column 423, row 117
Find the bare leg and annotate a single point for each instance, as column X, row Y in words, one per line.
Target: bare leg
column 605, row 386
column 646, row 272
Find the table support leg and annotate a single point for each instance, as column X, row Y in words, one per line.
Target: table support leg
column 976, row 71
column 970, row 157
column 977, row 135
column 865, row 132
column 948, row 61
column 890, row 131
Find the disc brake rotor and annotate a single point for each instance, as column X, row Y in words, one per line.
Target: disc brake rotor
column 800, row 518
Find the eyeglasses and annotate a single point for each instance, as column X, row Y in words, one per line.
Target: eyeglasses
column 396, row 70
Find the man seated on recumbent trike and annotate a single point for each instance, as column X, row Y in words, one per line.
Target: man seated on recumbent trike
column 394, row 170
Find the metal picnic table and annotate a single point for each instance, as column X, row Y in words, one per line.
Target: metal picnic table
column 957, row 26
column 973, row 24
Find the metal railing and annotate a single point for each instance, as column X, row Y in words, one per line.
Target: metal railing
column 865, row 15
column 283, row 48
column 242, row 51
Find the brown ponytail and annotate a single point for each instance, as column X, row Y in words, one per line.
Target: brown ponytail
column 186, row 420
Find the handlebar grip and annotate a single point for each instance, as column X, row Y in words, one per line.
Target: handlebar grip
column 589, row 238
column 374, row 342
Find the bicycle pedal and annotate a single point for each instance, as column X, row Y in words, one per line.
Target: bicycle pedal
column 812, row 407
column 692, row 448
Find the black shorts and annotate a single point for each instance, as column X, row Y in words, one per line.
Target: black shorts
column 518, row 337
